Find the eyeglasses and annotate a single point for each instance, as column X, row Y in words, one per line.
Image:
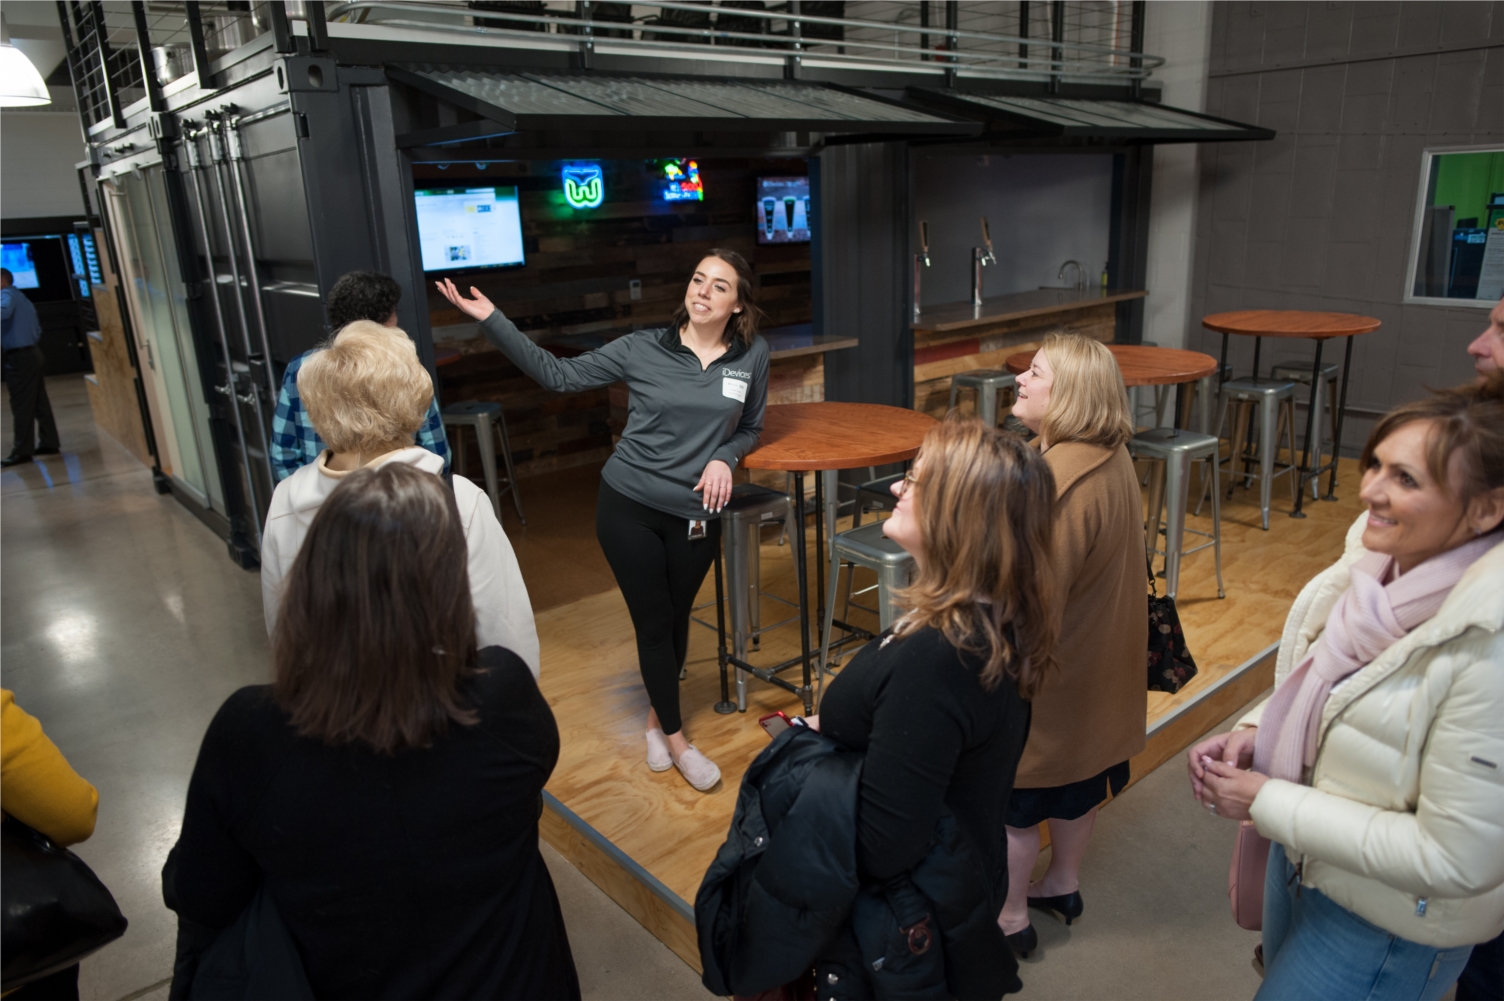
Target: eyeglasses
column 910, row 479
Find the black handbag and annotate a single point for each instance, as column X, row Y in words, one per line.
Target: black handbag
column 1171, row 666
column 56, row 910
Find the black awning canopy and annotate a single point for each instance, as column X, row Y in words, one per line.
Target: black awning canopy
column 527, row 101
column 1086, row 118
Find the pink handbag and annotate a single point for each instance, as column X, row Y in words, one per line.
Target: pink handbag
column 1245, row 877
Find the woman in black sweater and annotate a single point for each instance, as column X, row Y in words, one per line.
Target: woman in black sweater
column 939, row 706
column 385, row 790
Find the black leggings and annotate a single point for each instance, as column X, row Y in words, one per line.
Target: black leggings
column 659, row 571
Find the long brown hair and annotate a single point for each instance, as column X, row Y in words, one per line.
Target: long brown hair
column 376, row 629
column 1468, row 422
column 985, row 581
column 742, row 327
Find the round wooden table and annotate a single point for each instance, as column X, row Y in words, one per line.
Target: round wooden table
column 822, row 438
column 1319, row 327
column 1144, row 365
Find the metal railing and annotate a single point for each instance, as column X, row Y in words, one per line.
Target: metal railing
column 121, row 51
column 1074, row 42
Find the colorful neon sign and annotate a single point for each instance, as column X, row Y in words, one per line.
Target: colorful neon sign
column 683, row 177
column 584, row 186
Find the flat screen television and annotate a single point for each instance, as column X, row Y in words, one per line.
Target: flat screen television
column 16, row 258
column 468, row 229
column 783, row 210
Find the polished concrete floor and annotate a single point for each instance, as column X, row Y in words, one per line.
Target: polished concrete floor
column 125, row 625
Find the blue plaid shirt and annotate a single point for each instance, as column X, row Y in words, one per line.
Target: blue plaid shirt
column 295, row 443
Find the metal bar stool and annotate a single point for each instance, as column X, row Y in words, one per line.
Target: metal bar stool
column 987, row 382
column 868, row 547
column 750, row 507
column 1328, row 378
column 481, row 415
column 1171, row 488
column 1274, row 403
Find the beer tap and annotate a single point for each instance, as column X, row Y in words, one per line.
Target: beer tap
column 980, row 258
column 923, row 257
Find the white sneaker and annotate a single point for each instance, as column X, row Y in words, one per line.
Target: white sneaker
column 660, row 759
column 698, row 770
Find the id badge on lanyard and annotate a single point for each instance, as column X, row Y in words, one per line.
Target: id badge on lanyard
column 696, row 528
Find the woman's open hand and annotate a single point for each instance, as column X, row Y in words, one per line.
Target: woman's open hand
column 1228, row 791
column 477, row 308
column 1234, row 748
column 715, row 485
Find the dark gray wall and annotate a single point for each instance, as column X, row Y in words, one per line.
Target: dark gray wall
column 1320, row 217
column 860, row 262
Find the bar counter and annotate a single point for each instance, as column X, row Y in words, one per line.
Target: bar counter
column 557, row 430
column 958, row 337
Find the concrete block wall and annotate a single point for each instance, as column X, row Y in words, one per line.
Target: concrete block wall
column 1320, row 217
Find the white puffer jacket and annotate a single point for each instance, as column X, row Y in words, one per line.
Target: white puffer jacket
column 1403, row 822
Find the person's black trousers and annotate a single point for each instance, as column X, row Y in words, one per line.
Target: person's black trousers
column 659, row 570
column 28, row 401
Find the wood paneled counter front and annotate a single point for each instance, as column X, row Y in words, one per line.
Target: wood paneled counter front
column 957, row 336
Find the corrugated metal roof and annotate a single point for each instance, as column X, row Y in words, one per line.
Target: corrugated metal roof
column 598, row 100
column 1087, row 118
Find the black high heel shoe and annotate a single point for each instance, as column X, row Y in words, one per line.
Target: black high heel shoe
column 1023, row 942
column 1069, row 906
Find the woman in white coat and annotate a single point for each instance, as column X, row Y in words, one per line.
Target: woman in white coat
column 1377, row 767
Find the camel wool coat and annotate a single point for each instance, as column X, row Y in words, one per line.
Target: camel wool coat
column 1089, row 714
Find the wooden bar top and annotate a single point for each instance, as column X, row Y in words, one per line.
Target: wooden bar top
column 1143, row 365
column 953, row 316
column 804, row 437
column 800, row 339
column 1290, row 323
column 792, row 341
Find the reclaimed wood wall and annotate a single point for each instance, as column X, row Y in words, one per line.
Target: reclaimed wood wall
column 577, row 280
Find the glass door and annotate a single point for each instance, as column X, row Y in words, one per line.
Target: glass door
column 159, row 312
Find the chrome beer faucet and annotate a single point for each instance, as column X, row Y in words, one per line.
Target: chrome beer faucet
column 1080, row 274
column 980, row 258
column 923, row 257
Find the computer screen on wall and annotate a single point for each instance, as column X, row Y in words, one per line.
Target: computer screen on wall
column 17, row 259
column 469, row 228
column 783, row 210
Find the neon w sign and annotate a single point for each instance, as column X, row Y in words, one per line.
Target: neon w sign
column 584, row 187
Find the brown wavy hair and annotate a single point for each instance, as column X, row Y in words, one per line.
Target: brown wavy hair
column 742, row 327
column 377, row 631
column 1469, row 423
column 985, row 582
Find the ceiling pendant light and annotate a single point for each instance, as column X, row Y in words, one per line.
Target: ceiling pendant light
column 21, row 86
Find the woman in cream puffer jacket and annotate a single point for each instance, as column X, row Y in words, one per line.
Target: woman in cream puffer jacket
column 1403, row 820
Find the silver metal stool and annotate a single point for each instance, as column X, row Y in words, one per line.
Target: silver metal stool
column 751, row 506
column 864, row 547
column 1177, row 450
column 987, row 382
column 1328, row 376
column 481, row 415
column 1275, row 403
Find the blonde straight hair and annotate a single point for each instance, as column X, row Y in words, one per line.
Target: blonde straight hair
column 367, row 389
column 1088, row 402
column 985, row 582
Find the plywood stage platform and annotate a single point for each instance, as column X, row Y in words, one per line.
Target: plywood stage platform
column 646, row 838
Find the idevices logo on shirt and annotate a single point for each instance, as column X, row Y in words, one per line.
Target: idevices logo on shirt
column 732, row 384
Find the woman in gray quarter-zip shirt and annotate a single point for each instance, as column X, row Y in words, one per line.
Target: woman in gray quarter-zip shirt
column 698, row 391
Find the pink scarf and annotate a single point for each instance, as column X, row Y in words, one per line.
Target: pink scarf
column 1368, row 618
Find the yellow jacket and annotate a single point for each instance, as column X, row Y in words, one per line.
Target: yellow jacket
column 37, row 785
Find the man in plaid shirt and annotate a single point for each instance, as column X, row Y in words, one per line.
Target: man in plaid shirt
column 359, row 295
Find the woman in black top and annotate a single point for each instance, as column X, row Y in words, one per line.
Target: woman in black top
column 938, row 706
column 698, row 390
column 385, row 789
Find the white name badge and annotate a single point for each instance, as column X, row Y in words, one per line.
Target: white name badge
column 735, row 389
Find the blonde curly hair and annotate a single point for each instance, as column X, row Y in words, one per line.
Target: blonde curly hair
column 367, row 389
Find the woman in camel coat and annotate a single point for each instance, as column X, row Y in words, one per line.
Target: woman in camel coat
column 1089, row 715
